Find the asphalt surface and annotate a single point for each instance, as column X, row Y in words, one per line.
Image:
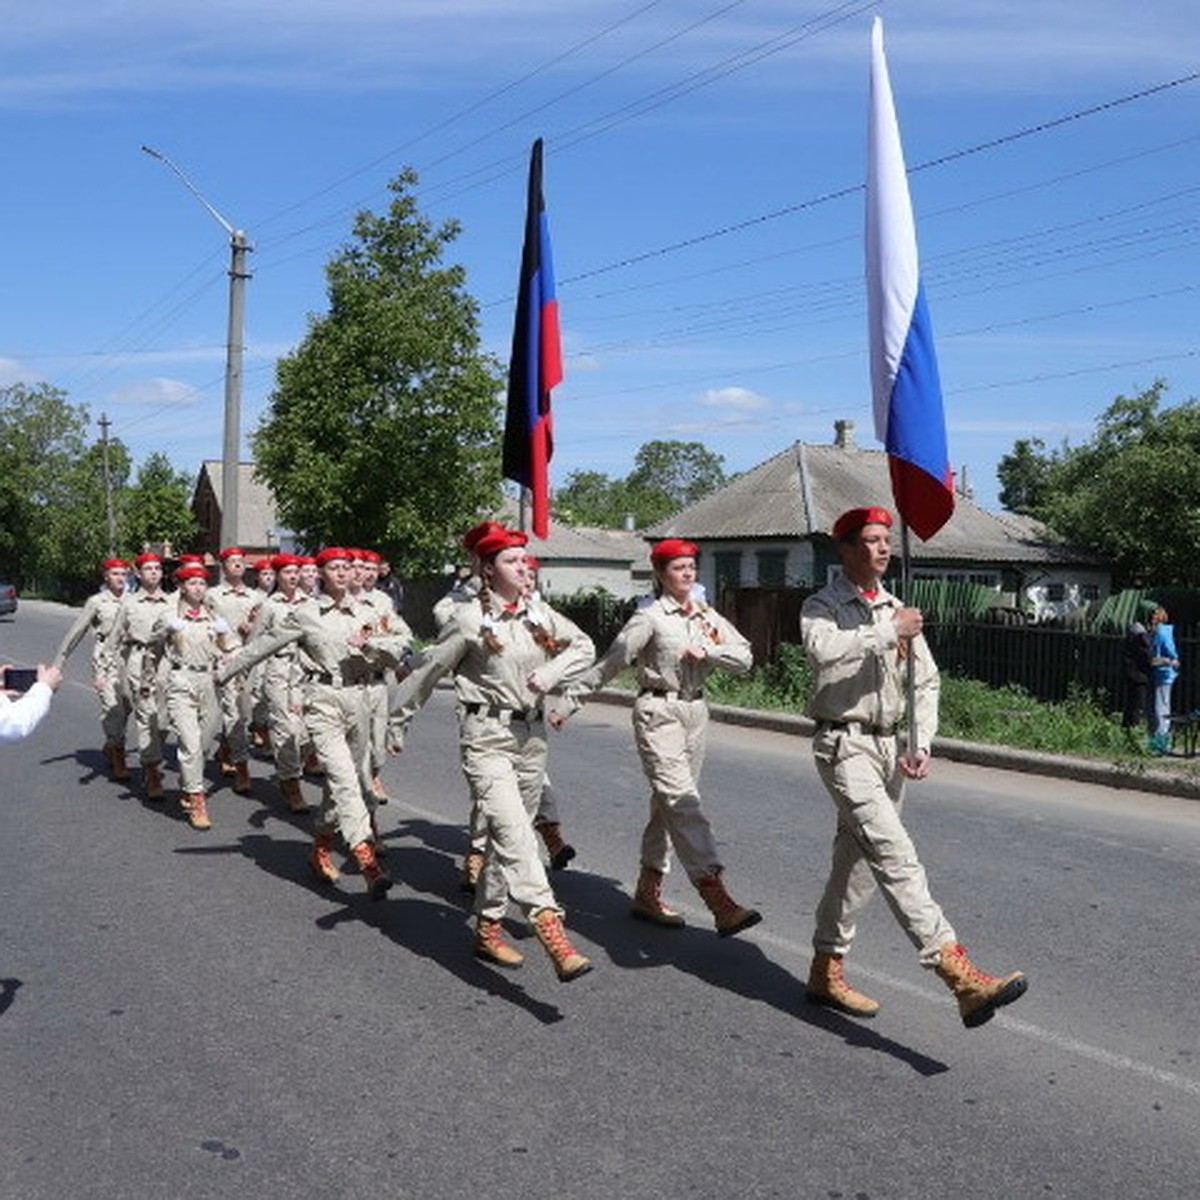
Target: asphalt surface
column 189, row 1015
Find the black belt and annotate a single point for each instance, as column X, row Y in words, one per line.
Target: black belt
column 499, row 714
column 207, row 670
column 883, row 731
column 332, row 681
column 667, row 694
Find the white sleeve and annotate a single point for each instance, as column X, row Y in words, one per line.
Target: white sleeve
column 19, row 718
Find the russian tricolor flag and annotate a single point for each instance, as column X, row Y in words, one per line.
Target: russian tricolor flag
column 909, row 417
column 536, row 363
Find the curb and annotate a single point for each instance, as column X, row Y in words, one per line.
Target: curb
column 1128, row 777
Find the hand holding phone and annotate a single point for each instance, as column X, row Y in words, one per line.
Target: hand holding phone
column 19, row 679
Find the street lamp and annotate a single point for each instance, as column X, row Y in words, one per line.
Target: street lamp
column 239, row 247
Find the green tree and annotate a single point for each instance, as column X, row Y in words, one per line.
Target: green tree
column 75, row 536
column 666, row 476
column 1025, row 475
column 157, row 508
column 384, row 426
column 1131, row 492
column 42, row 437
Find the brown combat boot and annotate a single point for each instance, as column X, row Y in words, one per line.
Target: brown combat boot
column 241, row 778
column 377, row 879
column 560, row 851
column 491, row 946
column 117, row 766
column 292, row 795
column 827, row 985
column 730, row 917
column 224, row 762
column 320, row 859
column 153, row 780
column 472, row 868
column 196, row 807
column 648, row 902
column 978, row 994
column 568, row 962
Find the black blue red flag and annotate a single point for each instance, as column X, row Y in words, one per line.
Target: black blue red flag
column 536, row 363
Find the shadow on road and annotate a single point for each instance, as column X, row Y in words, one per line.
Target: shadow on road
column 8, row 993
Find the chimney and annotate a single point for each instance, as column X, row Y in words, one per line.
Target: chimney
column 843, row 435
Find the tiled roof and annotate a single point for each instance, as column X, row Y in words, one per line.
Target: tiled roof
column 802, row 490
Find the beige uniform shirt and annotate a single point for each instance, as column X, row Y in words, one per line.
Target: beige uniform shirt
column 852, row 644
column 133, row 633
column 654, row 639
column 99, row 614
column 463, row 592
column 240, row 606
column 498, row 678
column 195, row 647
column 319, row 629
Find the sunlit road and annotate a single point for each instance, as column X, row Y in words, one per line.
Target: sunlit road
column 189, row 1015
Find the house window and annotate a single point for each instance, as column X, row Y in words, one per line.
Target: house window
column 1089, row 591
column 772, row 567
column 1056, row 593
column 728, row 567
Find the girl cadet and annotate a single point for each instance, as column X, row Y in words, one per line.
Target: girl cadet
column 99, row 614
column 341, row 652
column 674, row 641
column 194, row 639
column 506, row 654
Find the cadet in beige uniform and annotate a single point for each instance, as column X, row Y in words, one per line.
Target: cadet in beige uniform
column 142, row 667
column 386, row 620
column 505, row 657
column 283, row 683
column 341, row 651
column 673, row 643
column 193, row 639
column 99, row 614
column 265, row 581
column 859, row 639
column 239, row 605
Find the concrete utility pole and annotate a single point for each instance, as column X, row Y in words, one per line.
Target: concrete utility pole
column 104, row 423
column 239, row 247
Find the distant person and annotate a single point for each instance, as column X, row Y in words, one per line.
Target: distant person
column 20, row 715
column 1164, row 665
column 391, row 584
column 859, row 639
column 1137, row 676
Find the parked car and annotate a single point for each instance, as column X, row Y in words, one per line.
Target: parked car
column 8, row 598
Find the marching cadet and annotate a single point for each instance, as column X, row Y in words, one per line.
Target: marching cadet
column 673, row 643
column 387, row 619
column 546, row 822
column 310, row 574
column 99, row 614
column 264, row 580
column 505, row 656
column 282, row 683
column 194, row 639
column 141, row 666
column 341, row 652
column 239, row 605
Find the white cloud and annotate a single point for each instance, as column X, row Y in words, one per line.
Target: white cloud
column 12, row 371
column 734, row 400
column 156, row 393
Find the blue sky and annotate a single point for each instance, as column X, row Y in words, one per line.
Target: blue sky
column 702, row 165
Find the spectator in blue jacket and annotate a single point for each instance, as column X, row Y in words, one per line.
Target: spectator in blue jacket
column 1164, row 666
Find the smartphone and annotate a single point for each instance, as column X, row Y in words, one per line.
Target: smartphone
column 19, row 679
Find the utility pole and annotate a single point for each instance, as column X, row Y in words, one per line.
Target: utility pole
column 239, row 247
column 104, row 423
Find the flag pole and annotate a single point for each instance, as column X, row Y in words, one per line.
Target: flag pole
column 910, row 667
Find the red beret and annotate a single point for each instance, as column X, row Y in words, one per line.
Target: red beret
column 190, row 571
column 849, row 523
column 191, row 558
column 477, row 533
column 113, row 564
column 230, row 551
column 670, row 548
column 532, row 563
column 329, row 553
column 148, row 557
column 278, row 561
column 371, row 556
column 305, row 560
column 499, row 539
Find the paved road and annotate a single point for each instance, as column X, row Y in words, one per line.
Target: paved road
column 187, row 1015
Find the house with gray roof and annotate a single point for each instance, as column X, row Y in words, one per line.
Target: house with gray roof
column 770, row 528
column 257, row 525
